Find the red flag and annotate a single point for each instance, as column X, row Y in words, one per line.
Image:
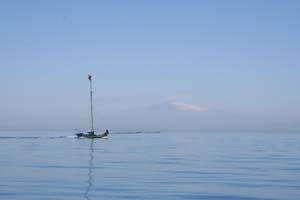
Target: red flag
column 90, row 77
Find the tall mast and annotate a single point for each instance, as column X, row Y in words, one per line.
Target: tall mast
column 91, row 98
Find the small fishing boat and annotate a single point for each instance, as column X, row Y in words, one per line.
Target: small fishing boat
column 91, row 134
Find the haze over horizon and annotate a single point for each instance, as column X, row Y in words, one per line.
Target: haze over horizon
column 156, row 65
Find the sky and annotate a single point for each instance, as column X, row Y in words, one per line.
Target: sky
column 159, row 64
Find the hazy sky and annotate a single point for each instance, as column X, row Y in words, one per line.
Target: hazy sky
column 206, row 61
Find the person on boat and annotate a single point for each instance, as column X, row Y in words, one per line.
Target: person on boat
column 91, row 133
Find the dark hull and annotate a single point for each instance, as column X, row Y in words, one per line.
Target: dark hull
column 82, row 135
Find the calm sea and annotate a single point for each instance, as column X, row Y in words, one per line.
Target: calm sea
column 167, row 165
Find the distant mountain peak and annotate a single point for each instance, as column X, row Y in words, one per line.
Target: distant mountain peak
column 188, row 107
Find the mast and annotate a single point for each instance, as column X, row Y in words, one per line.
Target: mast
column 91, row 99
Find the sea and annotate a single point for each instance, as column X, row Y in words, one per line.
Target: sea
column 44, row 165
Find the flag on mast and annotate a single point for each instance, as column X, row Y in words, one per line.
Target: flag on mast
column 90, row 77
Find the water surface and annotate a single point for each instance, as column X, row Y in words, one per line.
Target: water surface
column 166, row 165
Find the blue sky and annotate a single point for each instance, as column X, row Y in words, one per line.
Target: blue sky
column 236, row 57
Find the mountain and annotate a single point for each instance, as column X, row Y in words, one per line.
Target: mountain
column 177, row 116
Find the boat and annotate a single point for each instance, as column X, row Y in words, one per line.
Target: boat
column 91, row 134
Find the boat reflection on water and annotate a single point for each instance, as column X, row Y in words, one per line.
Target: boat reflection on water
column 90, row 173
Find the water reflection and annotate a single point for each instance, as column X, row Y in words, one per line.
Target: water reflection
column 90, row 174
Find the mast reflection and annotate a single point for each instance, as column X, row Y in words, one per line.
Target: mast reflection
column 90, row 173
